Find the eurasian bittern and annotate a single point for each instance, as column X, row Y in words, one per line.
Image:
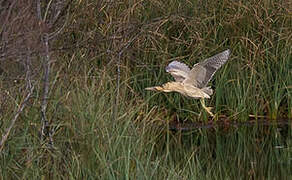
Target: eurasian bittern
column 193, row 83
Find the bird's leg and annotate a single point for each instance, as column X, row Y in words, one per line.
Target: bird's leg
column 208, row 109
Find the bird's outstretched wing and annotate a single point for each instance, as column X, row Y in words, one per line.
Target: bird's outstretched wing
column 178, row 70
column 203, row 72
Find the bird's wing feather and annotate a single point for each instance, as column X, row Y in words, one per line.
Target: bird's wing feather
column 178, row 70
column 203, row 72
column 196, row 75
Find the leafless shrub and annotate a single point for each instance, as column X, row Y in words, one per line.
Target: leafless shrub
column 28, row 30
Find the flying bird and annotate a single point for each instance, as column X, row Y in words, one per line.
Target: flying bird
column 193, row 82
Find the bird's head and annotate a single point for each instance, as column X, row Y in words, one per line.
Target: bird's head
column 167, row 87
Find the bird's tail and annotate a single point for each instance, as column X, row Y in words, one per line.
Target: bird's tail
column 208, row 90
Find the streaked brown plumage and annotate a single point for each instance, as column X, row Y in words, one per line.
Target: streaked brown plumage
column 193, row 82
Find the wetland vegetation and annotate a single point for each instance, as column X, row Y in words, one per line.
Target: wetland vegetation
column 102, row 124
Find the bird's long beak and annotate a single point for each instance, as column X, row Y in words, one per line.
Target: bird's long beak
column 155, row 88
column 151, row 88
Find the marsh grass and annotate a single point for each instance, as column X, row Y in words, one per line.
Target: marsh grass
column 91, row 142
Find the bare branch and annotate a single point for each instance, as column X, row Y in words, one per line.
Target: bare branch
column 54, row 34
column 122, row 50
column 60, row 8
column 28, row 30
column 19, row 111
column 8, row 15
column 39, row 12
column 45, row 131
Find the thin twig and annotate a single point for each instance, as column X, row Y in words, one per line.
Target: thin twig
column 39, row 12
column 60, row 8
column 57, row 32
column 29, row 88
column 117, row 99
column 45, row 131
column 20, row 109
column 7, row 16
column 28, row 76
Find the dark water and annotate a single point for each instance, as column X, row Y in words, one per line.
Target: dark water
column 225, row 123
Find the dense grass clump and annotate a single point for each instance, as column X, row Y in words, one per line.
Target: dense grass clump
column 107, row 127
